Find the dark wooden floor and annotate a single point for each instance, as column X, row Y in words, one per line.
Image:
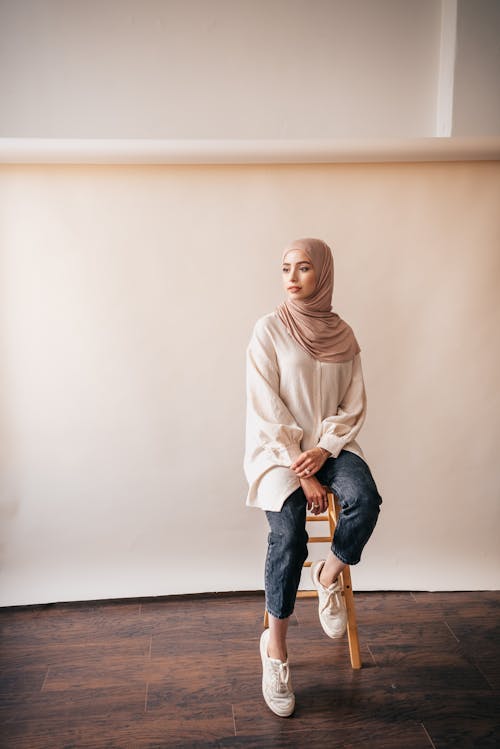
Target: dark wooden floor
column 186, row 672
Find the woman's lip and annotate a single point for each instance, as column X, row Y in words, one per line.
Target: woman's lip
column 294, row 288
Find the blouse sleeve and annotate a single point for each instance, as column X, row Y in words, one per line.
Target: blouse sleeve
column 269, row 424
column 338, row 430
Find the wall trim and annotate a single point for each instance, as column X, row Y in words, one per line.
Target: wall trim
column 279, row 151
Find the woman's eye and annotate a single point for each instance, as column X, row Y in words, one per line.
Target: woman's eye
column 305, row 268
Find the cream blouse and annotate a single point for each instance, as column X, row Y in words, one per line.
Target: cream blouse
column 294, row 403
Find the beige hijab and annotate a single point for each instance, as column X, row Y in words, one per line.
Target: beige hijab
column 311, row 322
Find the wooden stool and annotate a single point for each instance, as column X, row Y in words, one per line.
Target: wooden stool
column 345, row 579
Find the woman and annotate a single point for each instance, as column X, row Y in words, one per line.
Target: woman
column 306, row 403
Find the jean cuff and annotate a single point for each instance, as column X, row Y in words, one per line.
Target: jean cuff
column 342, row 557
column 279, row 616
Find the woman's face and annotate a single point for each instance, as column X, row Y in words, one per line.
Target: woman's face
column 298, row 272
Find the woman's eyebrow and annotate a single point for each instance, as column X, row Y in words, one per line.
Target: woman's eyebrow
column 299, row 262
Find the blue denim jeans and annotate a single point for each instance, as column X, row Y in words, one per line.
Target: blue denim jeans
column 350, row 478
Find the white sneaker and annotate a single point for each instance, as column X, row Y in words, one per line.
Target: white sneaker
column 331, row 604
column 276, row 681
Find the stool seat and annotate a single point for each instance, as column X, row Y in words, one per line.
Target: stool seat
column 332, row 514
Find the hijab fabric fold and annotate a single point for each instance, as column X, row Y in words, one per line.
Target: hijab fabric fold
column 312, row 322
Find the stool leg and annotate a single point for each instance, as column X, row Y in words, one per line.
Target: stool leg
column 345, row 578
column 266, row 619
column 352, row 627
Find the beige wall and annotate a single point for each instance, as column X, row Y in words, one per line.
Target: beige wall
column 126, row 301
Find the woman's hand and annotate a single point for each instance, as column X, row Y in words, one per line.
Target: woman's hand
column 316, row 495
column 309, row 462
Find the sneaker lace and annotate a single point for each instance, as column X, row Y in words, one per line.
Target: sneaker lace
column 331, row 600
column 280, row 674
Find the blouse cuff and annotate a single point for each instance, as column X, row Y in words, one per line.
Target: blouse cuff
column 332, row 443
